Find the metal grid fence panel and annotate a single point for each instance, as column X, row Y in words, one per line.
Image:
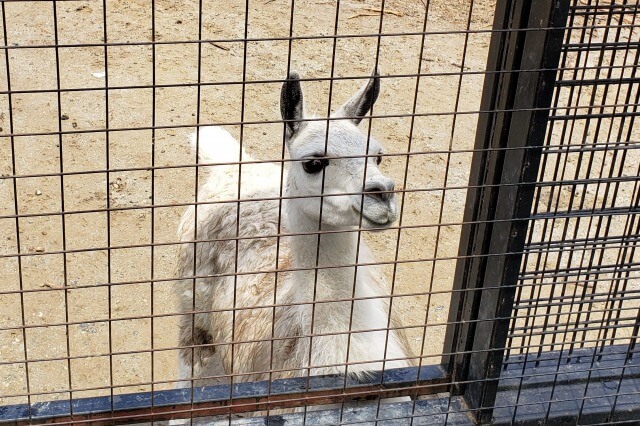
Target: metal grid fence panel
column 99, row 100
column 579, row 274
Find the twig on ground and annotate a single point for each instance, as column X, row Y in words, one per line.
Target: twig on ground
column 219, row 46
column 389, row 11
column 375, row 12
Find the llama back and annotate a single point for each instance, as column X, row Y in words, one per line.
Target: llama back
column 222, row 215
column 211, row 228
column 227, row 164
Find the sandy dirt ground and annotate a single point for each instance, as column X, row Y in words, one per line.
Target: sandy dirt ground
column 66, row 264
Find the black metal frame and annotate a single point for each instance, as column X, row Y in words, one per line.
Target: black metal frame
column 215, row 400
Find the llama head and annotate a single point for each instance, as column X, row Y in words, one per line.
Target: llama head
column 336, row 159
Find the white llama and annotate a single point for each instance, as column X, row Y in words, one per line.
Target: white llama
column 240, row 332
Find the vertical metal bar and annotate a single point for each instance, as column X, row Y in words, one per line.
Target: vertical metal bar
column 358, row 244
column 245, row 48
column 521, row 71
column 360, row 235
column 105, row 37
column 280, row 224
column 152, row 271
column 196, row 207
column 63, row 228
column 405, row 176
column 322, row 191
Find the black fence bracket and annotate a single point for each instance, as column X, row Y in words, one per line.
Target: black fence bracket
column 518, row 89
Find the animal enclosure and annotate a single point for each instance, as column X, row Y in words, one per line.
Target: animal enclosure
column 508, row 128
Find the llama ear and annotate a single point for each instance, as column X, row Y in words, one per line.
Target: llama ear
column 291, row 105
column 360, row 103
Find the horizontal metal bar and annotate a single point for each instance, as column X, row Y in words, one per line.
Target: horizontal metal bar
column 528, row 331
column 621, row 295
column 590, row 147
column 378, row 35
column 596, row 325
column 376, row 116
column 535, row 275
column 237, row 398
column 601, row 6
column 569, row 271
column 593, row 116
column 541, row 184
column 605, row 211
column 551, row 358
column 595, row 343
column 530, row 374
column 550, row 149
column 600, row 47
column 628, row 294
column 249, row 82
column 539, row 247
column 598, row 82
column 594, row 241
column 564, row 272
column 537, row 348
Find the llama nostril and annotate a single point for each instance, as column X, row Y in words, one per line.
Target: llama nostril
column 375, row 191
column 378, row 190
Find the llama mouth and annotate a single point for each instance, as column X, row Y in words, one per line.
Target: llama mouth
column 376, row 226
column 368, row 222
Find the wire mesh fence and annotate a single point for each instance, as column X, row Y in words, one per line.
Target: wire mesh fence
column 580, row 244
column 152, row 271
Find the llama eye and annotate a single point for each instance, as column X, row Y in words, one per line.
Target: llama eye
column 315, row 165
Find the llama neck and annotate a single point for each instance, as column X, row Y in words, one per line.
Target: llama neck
column 336, row 320
column 324, row 258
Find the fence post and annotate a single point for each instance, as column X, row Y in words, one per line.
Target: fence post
column 518, row 89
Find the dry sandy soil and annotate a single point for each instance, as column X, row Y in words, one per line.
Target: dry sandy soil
column 65, row 266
